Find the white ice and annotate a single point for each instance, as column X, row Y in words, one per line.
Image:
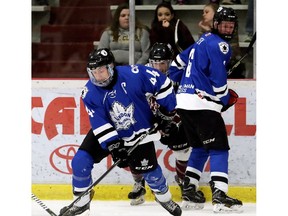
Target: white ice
column 123, row 208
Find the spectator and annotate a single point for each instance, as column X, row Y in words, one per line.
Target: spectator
column 205, row 24
column 116, row 38
column 249, row 27
column 202, row 96
column 167, row 28
column 119, row 114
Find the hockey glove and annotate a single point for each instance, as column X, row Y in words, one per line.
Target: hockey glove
column 118, row 151
column 232, row 100
column 176, row 139
column 167, row 120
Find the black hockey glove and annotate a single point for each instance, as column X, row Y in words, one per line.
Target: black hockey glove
column 176, row 139
column 232, row 100
column 118, row 151
column 167, row 120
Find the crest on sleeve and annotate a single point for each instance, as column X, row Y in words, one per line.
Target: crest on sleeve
column 84, row 91
column 224, row 47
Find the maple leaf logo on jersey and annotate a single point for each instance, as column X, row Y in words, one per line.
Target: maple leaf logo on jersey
column 122, row 116
column 224, row 47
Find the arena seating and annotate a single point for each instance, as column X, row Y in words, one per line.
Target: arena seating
column 67, row 38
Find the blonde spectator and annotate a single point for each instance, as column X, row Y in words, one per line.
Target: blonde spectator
column 209, row 10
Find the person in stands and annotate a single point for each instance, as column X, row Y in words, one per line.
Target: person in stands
column 116, row 38
column 205, row 23
column 167, row 28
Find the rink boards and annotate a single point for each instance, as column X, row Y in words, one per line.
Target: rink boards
column 60, row 122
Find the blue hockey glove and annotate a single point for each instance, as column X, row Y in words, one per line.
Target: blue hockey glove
column 232, row 100
column 118, row 151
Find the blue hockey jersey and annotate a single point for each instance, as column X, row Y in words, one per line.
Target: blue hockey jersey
column 122, row 111
column 201, row 72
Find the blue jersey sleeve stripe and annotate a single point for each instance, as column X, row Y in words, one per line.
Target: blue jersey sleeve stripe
column 166, row 89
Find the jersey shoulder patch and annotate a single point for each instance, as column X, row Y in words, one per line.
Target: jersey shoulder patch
column 224, row 47
column 84, row 92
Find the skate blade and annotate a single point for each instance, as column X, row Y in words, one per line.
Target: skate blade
column 86, row 213
column 137, row 201
column 186, row 205
column 221, row 208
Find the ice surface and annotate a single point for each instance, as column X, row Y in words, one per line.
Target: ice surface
column 123, row 208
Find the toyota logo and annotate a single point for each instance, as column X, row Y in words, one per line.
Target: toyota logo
column 60, row 159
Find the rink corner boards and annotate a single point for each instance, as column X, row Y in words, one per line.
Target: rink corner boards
column 120, row 192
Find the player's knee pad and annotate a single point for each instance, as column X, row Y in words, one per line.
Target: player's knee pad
column 182, row 155
column 82, row 165
column 156, row 180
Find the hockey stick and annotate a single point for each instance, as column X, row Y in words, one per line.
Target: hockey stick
column 42, row 205
column 142, row 137
column 244, row 56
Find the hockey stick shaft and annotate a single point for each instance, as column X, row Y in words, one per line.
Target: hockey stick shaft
column 141, row 138
column 43, row 205
column 245, row 55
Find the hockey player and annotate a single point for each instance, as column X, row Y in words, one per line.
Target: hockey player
column 160, row 57
column 115, row 100
column 202, row 95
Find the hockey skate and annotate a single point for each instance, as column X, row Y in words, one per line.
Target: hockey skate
column 172, row 207
column 192, row 199
column 78, row 210
column 223, row 203
column 137, row 195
